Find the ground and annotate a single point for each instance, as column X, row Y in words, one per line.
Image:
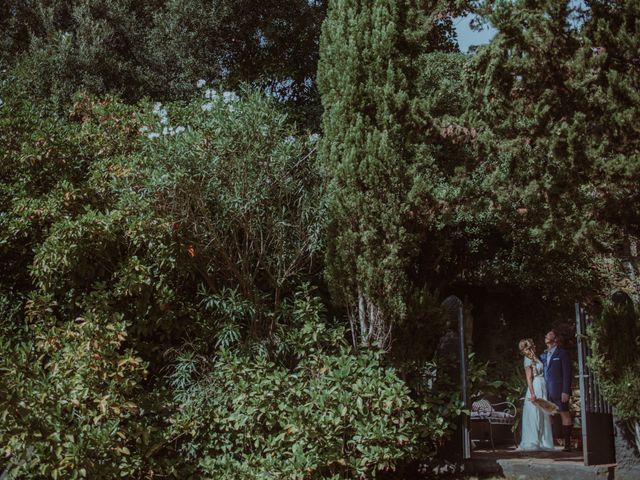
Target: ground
column 511, row 464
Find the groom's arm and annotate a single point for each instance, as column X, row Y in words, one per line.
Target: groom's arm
column 566, row 373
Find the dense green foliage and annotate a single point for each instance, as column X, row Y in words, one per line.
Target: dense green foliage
column 123, row 204
column 160, row 48
column 69, row 396
column 323, row 412
column 83, row 210
column 381, row 177
column 614, row 339
column 137, row 236
column 557, row 154
column 177, row 264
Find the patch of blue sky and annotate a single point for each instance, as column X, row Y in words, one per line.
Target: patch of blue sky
column 468, row 37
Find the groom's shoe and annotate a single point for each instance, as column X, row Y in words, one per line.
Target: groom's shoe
column 566, row 430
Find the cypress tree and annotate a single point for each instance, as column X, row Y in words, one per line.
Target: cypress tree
column 369, row 62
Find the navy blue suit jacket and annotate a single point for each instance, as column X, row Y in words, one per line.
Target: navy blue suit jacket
column 557, row 373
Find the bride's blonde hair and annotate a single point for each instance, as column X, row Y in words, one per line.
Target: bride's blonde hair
column 526, row 347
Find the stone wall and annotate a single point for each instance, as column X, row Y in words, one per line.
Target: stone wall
column 627, row 455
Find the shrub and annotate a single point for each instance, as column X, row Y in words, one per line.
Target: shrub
column 614, row 338
column 67, row 401
column 242, row 189
column 333, row 414
column 129, row 230
column 93, row 228
column 154, row 202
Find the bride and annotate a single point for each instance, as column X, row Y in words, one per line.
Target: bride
column 536, row 425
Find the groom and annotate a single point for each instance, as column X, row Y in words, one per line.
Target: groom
column 557, row 375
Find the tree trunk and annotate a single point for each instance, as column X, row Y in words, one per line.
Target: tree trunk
column 373, row 327
column 362, row 317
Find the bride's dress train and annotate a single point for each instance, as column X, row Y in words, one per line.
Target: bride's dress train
column 536, row 425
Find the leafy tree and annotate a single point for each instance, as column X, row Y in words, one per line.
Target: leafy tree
column 69, row 399
column 161, row 48
column 61, row 47
column 245, row 198
column 273, row 44
column 537, row 180
column 608, row 65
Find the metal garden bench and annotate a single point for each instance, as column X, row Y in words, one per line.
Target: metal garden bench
column 493, row 414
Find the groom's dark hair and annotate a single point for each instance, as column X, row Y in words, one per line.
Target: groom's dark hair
column 559, row 339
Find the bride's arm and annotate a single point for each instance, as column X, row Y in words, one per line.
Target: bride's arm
column 529, row 374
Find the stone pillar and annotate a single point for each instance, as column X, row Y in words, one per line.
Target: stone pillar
column 627, row 455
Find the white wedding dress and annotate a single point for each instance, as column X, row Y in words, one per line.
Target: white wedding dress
column 536, row 425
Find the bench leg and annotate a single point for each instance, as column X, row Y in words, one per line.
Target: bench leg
column 491, row 436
